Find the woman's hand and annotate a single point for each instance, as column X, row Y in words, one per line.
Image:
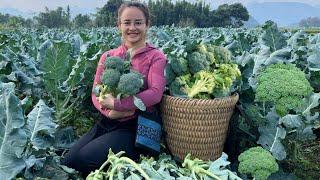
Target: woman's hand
column 107, row 101
column 113, row 114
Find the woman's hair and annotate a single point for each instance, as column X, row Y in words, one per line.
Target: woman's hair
column 142, row 7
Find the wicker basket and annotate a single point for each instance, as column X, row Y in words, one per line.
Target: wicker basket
column 196, row 126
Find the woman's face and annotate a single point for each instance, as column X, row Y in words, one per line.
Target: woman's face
column 133, row 27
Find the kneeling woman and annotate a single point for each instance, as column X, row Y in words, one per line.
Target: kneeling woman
column 118, row 129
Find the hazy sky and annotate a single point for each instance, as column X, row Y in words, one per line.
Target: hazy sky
column 39, row 5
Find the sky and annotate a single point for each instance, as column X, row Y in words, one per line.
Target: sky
column 39, row 5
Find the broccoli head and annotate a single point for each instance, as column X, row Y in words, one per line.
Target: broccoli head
column 204, row 82
column 177, row 87
column 283, row 85
column 179, row 65
column 130, row 84
column 114, row 62
column 221, row 54
column 208, row 51
column 198, row 62
column 110, row 78
column 257, row 162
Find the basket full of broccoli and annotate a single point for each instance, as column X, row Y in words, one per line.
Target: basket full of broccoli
column 199, row 102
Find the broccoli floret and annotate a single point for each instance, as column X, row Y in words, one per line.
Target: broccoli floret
column 221, row 54
column 283, row 85
column 177, row 87
column 257, row 162
column 169, row 74
column 130, row 84
column 208, row 51
column 202, row 48
column 110, row 78
column 225, row 75
column 204, row 83
column 114, row 62
column 179, row 65
column 197, row 62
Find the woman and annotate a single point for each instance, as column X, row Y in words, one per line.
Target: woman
column 118, row 129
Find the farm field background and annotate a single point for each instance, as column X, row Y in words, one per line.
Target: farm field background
column 46, row 80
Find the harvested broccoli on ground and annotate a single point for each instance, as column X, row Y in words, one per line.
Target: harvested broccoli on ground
column 258, row 163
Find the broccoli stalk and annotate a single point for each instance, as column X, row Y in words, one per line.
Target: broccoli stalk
column 197, row 167
column 204, row 83
column 117, row 163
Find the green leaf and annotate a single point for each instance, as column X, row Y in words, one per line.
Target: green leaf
column 138, row 103
column 13, row 138
column 271, row 135
column 291, row 121
column 313, row 59
column 218, row 167
column 309, row 103
column 41, row 126
column 272, row 37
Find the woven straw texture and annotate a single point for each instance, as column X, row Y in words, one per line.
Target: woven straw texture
column 196, row 126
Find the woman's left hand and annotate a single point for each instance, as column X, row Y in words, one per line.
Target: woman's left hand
column 107, row 101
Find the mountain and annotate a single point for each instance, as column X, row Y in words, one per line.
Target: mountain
column 251, row 23
column 16, row 12
column 283, row 13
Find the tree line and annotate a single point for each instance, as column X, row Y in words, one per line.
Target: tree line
column 163, row 12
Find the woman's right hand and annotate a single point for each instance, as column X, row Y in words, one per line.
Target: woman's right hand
column 113, row 114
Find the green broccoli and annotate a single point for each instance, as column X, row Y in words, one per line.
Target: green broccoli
column 197, row 62
column 221, row 54
column 257, row 162
column 208, row 51
column 169, row 74
column 179, row 65
column 204, row 83
column 114, row 62
column 202, row 48
column 283, row 85
column 130, row 84
column 177, row 87
column 193, row 86
column 110, row 78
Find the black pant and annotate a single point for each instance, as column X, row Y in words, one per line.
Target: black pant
column 91, row 150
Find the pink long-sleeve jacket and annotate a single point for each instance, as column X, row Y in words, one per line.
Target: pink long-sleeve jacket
column 151, row 63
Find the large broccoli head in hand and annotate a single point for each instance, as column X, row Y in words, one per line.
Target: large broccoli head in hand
column 114, row 62
column 130, row 83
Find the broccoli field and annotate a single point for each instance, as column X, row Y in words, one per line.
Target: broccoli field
column 46, row 78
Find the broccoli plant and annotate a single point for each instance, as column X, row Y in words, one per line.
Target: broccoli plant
column 257, row 162
column 283, row 85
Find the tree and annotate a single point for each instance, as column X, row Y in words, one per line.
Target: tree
column 82, row 21
column 230, row 15
column 106, row 16
column 53, row 18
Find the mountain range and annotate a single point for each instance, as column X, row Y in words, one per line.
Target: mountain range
column 283, row 13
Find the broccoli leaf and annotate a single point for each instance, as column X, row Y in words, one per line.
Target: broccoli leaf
column 138, row 103
column 271, row 135
column 13, row 138
column 41, row 127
